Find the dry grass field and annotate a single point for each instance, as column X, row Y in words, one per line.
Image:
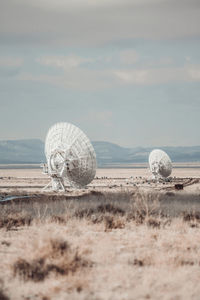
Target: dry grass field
column 101, row 253
column 125, row 242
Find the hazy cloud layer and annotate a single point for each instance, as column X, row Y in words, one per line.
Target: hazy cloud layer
column 77, row 72
column 91, row 23
column 159, row 75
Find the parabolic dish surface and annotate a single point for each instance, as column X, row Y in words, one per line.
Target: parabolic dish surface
column 66, row 143
column 160, row 163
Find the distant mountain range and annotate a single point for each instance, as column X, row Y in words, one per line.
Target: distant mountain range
column 32, row 151
column 22, row 151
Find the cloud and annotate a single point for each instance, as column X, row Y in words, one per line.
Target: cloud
column 129, row 57
column 10, row 66
column 76, row 73
column 63, row 62
column 194, row 73
column 74, row 79
column 76, row 76
column 158, row 75
column 10, row 62
column 160, row 62
column 92, row 22
column 102, row 117
column 132, row 76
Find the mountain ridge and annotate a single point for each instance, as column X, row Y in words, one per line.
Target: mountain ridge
column 30, row 151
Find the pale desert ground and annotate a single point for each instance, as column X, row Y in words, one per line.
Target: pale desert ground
column 124, row 237
column 33, row 179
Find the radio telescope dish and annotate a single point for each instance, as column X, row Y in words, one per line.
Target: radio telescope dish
column 71, row 158
column 160, row 164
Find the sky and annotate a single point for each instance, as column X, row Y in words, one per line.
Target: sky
column 124, row 71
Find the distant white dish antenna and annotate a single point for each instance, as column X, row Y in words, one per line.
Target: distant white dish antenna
column 160, row 164
column 71, row 158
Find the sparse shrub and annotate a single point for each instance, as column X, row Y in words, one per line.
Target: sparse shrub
column 5, row 243
column 38, row 270
column 186, row 263
column 100, row 209
column 59, row 259
column 3, row 296
column 96, row 193
column 141, row 262
column 192, row 216
column 58, row 219
column 138, row 262
column 194, row 225
column 135, row 216
column 113, row 223
column 153, row 222
column 110, row 208
column 166, row 222
column 97, row 218
column 14, row 221
column 35, row 270
column 180, row 261
column 144, row 207
column 59, row 247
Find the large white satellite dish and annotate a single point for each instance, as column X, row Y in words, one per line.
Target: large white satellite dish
column 160, row 164
column 71, row 158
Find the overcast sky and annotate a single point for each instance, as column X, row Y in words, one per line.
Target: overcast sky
column 124, row 71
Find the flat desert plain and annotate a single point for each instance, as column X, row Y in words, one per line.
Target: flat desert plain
column 124, row 237
column 33, row 179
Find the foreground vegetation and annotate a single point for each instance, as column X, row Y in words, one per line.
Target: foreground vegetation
column 102, row 252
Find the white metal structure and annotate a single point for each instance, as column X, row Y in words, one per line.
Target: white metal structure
column 160, row 164
column 71, row 158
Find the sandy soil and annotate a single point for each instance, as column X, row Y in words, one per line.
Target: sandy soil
column 189, row 171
